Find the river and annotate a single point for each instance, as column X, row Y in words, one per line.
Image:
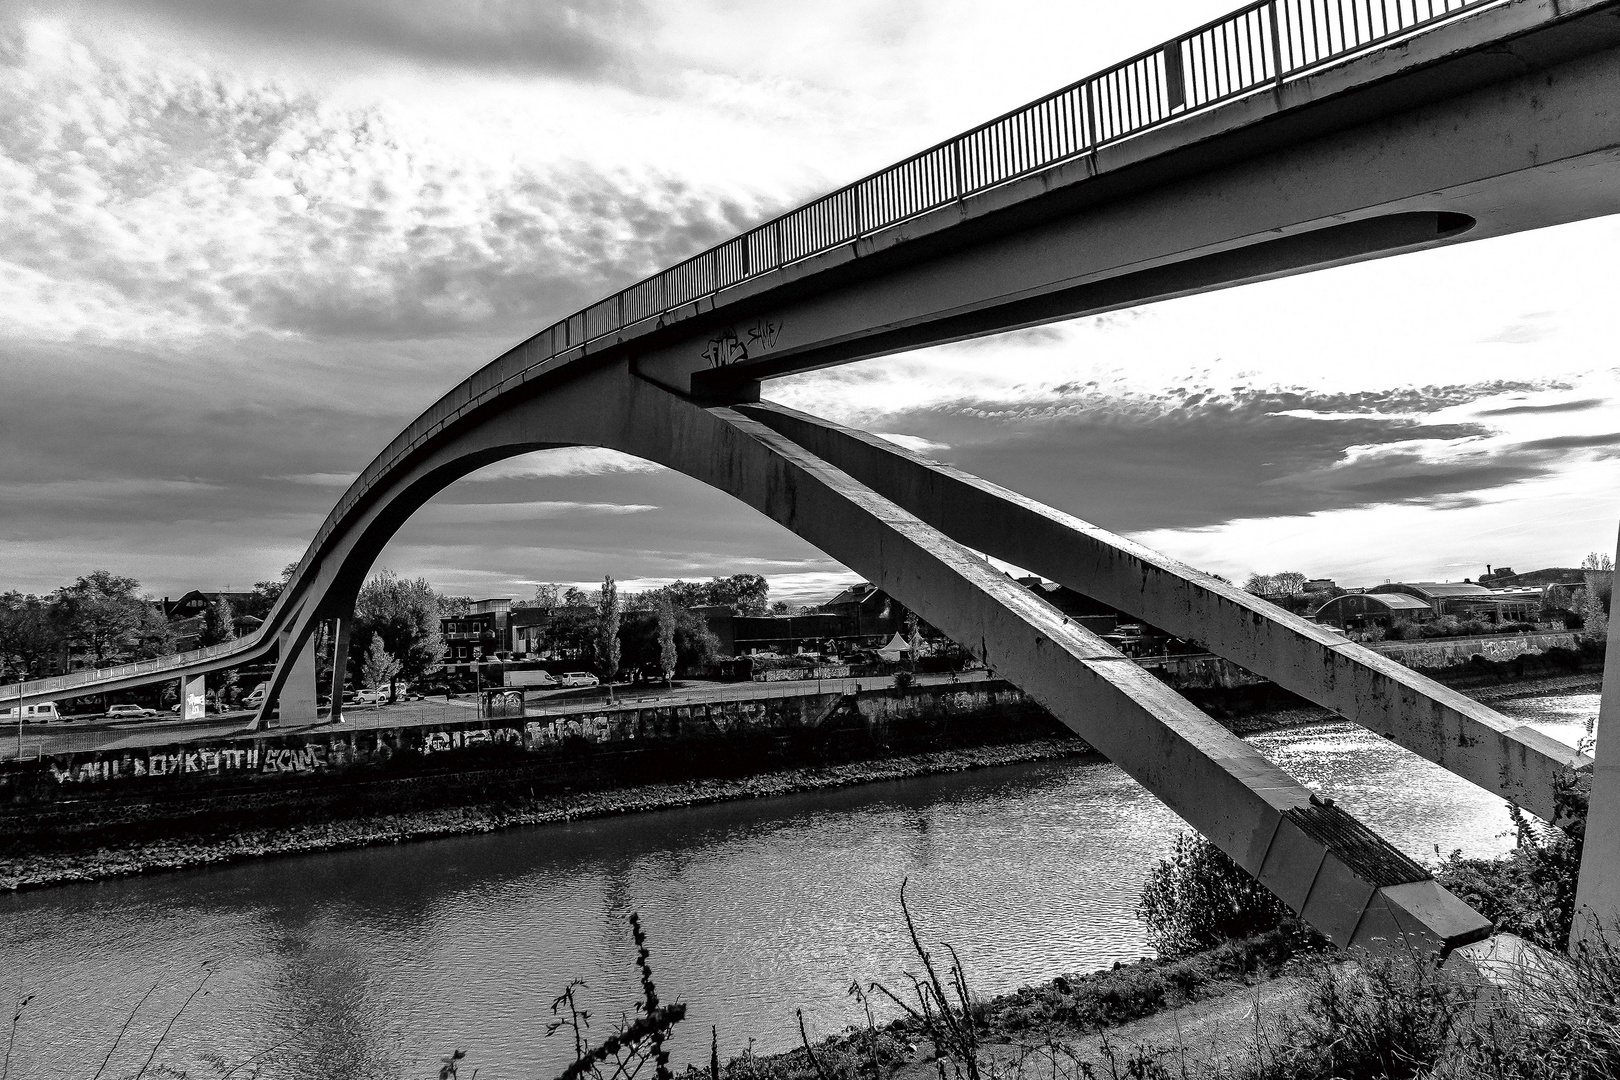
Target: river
column 374, row 963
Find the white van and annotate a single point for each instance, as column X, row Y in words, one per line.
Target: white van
column 32, row 714
column 255, row 696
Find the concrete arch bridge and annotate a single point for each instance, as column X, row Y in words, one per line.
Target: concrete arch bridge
column 1290, row 136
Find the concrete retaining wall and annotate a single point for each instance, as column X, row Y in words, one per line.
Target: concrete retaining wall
column 745, row 728
column 1449, row 652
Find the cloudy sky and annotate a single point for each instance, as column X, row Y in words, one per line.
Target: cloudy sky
column 242, row 244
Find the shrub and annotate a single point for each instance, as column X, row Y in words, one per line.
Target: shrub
column 1383, row 1019
column 1531, row 892
column 1198, row 898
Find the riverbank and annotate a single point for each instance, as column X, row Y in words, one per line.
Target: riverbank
column 1073, row 1026
column 39, row 869
column 491, row 805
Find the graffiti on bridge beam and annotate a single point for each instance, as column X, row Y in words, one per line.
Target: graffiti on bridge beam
column 730, row 347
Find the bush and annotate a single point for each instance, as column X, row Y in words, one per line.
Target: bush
column 1383, row 1019
column 1199, row 898
column 1531, row 892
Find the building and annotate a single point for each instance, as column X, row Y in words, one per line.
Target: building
column 528, row 628
column 197, row 602
column 477, row 634
column 1355, row 610
column 1097, row 617
column 1469, row 600
column 1443, row 597
column 871, row 616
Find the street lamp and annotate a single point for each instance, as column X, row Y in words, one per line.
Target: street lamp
column 22, row 677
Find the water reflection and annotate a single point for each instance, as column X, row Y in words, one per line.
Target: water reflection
column 376, row 962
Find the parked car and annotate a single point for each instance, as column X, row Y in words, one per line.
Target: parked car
column 572, row 679
column 370, row 697
column 130, row 712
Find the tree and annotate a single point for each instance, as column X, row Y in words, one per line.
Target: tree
column 746, row 594
column 608, row 613
column 30, row 639
column 219, row 623
column 455, row 605
column 546, row 598
column 102, row 616
column 378, row 666
column 1272, row 586
column 666, row 639
column 1595, row 598
column 405, row 615
column 266, row 593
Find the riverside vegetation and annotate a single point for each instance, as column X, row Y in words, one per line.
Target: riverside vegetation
column 1391, row 1018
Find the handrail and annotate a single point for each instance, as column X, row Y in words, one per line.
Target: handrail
column 89, row 676
column 1255, row 48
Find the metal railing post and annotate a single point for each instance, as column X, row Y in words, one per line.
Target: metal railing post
column 1276, row 44
column 1091, row 115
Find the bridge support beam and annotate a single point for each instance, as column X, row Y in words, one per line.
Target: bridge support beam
column 1503, row 756
column 193, row 697
column 1337, row 874
column 295, row 698
column 1597, row 894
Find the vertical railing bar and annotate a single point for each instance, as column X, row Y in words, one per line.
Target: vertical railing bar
column 1276, row 47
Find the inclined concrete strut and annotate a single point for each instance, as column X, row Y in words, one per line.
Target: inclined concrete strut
column 1340, row 877
column 1512, row 759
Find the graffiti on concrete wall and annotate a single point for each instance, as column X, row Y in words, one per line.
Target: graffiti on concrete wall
column 315, row 754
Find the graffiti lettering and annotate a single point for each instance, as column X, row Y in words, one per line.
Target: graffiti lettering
column 730, row 347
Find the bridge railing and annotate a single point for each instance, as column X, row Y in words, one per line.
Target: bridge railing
column 170, row 662
column 1255, row 48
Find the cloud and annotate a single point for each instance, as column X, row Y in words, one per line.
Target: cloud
column 1573, row 442
column 1555, row 407
column 914, row 443
column 175, row 205
column 1197, row 456
column 1530, row 329
column 567, row 38
column 320, row 479
column 473, row 514
column 566, row 461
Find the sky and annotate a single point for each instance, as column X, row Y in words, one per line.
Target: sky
column 243, row 244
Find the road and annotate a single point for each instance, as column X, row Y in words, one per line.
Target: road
column 45, row 740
